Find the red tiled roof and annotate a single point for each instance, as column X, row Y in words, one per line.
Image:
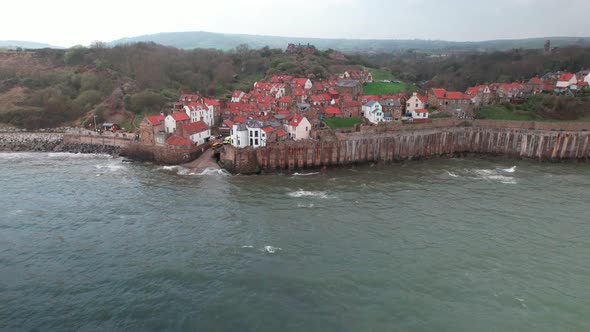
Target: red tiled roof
column 196, row 127
column 455, row 95
column 211, row 102
column 439, row 93
column 333, row 110
column 228, row 123
column 281, row 133
column 156, row 119
column 285, row 99
column 239, row 119
column 421, row 111
column 566, row 77
column 180, row 116
column 268, row 130
column 179, row 141
column 296, row 121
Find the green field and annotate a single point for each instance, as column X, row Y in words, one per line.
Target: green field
column 336, row 123
column 380, row 88
column 381, row 74
column 502, row 113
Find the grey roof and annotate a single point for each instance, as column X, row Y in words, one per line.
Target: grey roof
column 242, row 127
column 253, row 124
column 388, row 115
column 347, row 83
column 371, row 103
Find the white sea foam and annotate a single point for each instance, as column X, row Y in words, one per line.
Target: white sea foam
column 214, row 171
column 493, row 175
column 509, row 170
column 307, row 206
column 303, row 193
column 305, row 174
column 110, row 167
column 248, row 247
column 271, row 249
column 452, row 174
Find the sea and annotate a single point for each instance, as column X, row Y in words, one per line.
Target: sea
column 97, row 243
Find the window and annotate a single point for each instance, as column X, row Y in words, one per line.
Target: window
column 306, row 128
column 416, row 105
column 408, row 104
column 251, row 141
column 256, row 142
column 256, row 134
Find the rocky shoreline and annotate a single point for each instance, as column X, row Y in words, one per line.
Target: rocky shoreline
column 18, row 141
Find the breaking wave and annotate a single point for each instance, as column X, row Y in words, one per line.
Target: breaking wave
column 110, row 168
column 303, row 193
column 214, row 171
column 271, row 249
column 493, row 175
column 305, row 174
column 452, row 174
column 509, row 170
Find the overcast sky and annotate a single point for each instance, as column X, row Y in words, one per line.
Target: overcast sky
column 70, row 22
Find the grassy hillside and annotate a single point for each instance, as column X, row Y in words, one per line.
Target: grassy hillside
column 201, row 39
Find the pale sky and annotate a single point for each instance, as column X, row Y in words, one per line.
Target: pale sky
column 70, row 22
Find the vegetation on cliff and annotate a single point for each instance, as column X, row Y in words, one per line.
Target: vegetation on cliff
column 461, row 70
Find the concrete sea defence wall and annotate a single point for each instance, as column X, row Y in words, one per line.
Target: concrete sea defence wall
column 390, row 146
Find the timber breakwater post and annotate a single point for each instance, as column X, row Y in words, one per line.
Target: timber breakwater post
column 521, row 140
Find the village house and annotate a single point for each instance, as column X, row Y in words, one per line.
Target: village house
column 236, row 96
column 480, row 95
column 419, row 114
column 373, row 112
column 298, row 128
column 350, row 87
column 393, row 103
column 566, row 81
column 176, row 141
column 152, row 129
column 364, row 76
column 198, row 132
column 333, row 112
column 415, row 102
column 225, row 127
column 268, row 134
column 239, row 135
column 351, row 109
column 175, row 121
column 200, row 112
column 451, row 102
column 302, row 83
column 509, row 92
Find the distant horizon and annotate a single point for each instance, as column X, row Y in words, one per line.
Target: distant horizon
column 60, row 23
column 16, row 41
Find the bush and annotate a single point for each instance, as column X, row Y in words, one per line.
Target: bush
column 145, row 101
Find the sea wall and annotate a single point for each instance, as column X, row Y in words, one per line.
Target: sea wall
column 408, row 144
column 24, row 141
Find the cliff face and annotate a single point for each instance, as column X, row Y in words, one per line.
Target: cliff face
column 417, row 144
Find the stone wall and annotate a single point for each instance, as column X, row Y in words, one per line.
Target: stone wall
column 356, row 148
column 37, row 142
